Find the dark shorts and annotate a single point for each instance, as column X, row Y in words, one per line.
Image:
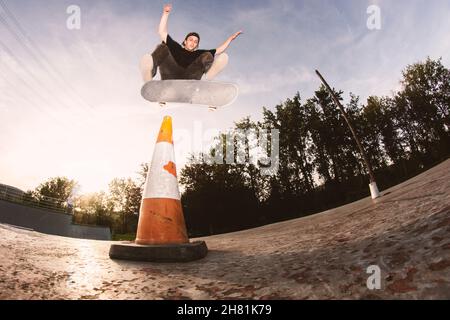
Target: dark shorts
column 171, row 70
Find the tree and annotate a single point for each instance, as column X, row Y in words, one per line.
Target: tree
column 219, row 197
column 60, row 188
column 125, row 198
column 423, row 110
column 142, row 175
column 250, row 172
column 383, row 129
column 334, row 145
column 56, row 191
column 295, row 171
column 93, row 209
column 429, row 81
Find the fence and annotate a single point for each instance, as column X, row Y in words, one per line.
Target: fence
column 15, row 195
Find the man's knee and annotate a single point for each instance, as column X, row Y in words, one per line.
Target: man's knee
column 222, row 59
column 220, row 62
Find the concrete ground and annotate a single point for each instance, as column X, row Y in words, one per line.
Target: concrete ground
column 406, row 233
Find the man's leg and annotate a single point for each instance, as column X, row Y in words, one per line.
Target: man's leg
column 220, row 62
column 150, row 62
column 199, row 67
column 170, row 70
column 168, row 67
column 147, row 67
column 161, row 58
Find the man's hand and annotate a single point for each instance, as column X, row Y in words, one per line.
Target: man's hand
column 167, row 8
column 224, row 46
column 237, row 34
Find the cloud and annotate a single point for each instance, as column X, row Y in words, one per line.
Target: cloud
column 272, row 82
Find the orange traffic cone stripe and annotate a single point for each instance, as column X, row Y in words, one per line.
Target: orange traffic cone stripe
column 163, row 222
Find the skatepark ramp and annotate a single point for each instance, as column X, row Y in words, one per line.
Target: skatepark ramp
column 45, row 221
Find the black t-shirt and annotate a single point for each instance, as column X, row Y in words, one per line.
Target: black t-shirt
column 182, row 56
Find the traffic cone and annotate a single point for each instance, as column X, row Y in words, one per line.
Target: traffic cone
column 161, row 219
column 161, row 234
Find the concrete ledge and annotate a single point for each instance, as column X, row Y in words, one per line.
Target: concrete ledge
column 39, row 220
column 159, row 253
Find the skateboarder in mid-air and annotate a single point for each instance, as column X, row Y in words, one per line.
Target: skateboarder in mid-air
column 178, row 62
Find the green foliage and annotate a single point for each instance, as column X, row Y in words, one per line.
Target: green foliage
column 54, row 194
column 125, row 198
column 93, row 209
column 117, row 209
column 124, row 237
column 60, row 188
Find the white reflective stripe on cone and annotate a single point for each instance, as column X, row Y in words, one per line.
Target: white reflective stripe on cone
column 161, row 179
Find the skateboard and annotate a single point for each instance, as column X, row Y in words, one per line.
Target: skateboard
column 211, row 94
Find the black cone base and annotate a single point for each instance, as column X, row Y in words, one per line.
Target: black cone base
column 159, row 253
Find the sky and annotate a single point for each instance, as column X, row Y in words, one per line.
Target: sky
column 70, row 102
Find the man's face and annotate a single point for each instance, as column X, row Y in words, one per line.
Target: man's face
column 191, row 43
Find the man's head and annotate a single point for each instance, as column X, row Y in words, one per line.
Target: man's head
column 191, row 41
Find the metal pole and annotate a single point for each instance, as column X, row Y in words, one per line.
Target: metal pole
column 375, row 193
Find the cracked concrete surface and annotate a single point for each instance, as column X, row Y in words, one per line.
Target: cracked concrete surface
column 325, row 256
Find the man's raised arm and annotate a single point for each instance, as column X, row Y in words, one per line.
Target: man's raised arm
column 163, row 24
column 225, row 45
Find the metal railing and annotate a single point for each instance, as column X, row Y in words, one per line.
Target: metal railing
column 15, row 195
